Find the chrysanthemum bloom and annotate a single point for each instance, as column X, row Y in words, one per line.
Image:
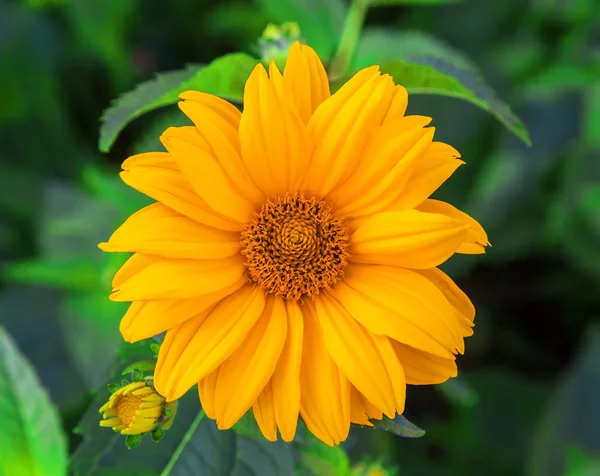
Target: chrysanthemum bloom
column 292, row 254
column 137, row 408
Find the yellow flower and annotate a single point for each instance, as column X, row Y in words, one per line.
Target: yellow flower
column 292, row 254
column 137, row 408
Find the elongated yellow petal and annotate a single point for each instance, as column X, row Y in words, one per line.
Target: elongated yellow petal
column 340, row 126
column 362, row 410
column 146, row 319
column 305, row 79
column 423, row 368
column 286, row 378
column 264, row 413
column 206, row 391
column 195, row 348
column 356, row 353
column 159, row 230
column 275, row 145
column 157, row 175
column 460, row 302
column 476, row 239
column 136, row 263
column 398, row 105
column 324, row 408
column 437, row 165
column 243, row 376
column 166, row 279
column 375, row 184
column 218, row 123
column 409, row 238
column 208, row 178
column 403, row 305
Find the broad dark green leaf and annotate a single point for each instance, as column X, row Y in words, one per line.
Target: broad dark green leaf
column 318, row 459
column 247, row 426
column 31, row 438
column 224, row 77
column 320, row 21
column 424, row 65
column 399, row 426
column 573, row 416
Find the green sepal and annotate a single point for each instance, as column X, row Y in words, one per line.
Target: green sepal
column 155, row 348
column 136, row 375
column 167, row 412
column 143, row 365
column 113, row 387
column 124, row 383
column 133, row 440
column 157, row 435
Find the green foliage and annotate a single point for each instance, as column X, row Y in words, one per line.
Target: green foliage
column 399, row 426
column 318, row 459
column 381, row 3
column 31, row 439
column 320, row 22
column 224, row 77
column 425, row 66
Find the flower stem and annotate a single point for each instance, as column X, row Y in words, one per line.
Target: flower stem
column 184, row 441
column 349, row 39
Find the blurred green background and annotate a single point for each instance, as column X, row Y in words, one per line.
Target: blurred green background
column 527, row 400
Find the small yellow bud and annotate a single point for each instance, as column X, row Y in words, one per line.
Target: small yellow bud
column 137, row 408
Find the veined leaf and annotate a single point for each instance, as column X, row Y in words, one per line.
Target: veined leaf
column 424, row 65
column 399, row 426
column 320, row 21
column 224, row 77
column 31, row 438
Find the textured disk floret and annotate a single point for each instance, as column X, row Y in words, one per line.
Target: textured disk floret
column 295, row 247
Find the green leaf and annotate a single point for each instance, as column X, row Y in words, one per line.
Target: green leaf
column 318, row 459
column 76, row 274
column 31, row 439
column 399, row 426
column 143, row 365
column 424, row 65
column 573, row 416
column 247, row 426
column 224, row 77
column 383, row 3
column 320, row 21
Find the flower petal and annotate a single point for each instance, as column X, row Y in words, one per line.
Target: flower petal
column 305, row 79
column 362, row 410
column 398, row 105
column 401, row 304
column 243, row 376
column 218, row 122
column 209, row 179
column 159, row 230
column 437, row 165
column 274, row 142
column 264, row 413
column 376, row 183
column 408, row 238
column 145, row 319
column 195, row 348
column 360, row 356
column 325, row 400
column 206, row 392
column 157, row 175
column 286, row 378
column 460, row 302
column 340, row 126
column 165, row 279
column 476, row 239
column 423, row 368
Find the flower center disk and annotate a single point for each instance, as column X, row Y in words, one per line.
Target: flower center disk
column 295, row 247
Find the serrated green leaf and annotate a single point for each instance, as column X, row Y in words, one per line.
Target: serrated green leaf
column 31, row 437
column 318, row 459
column 425, row 65
column 320, row 22
column 399, row 426
column 224, row 77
